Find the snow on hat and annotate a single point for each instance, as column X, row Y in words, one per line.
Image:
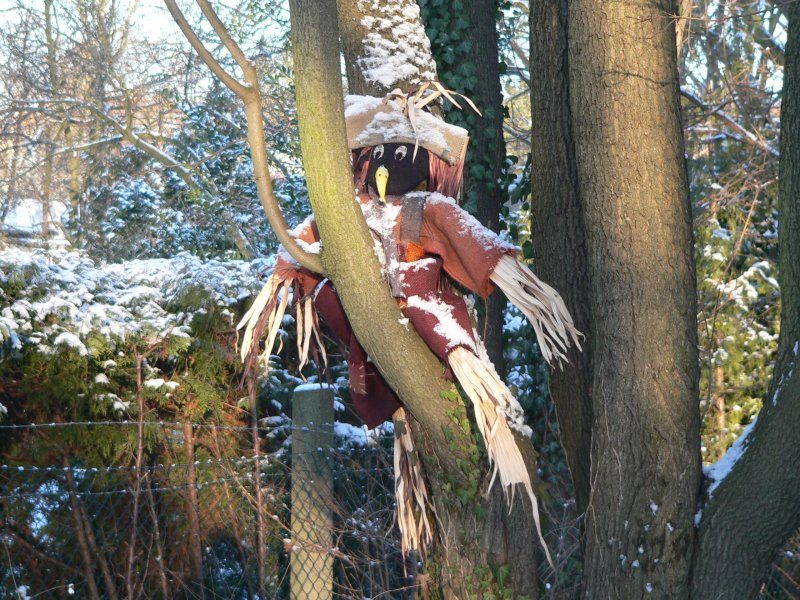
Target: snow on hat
column 372, row 121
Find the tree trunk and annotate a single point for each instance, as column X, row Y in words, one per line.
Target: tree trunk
column 631, row 173
column 240, row 536
column 487, row 148
column 86, row 535
column 757, row 506
column 442, row 431
column 364, row 27
column 80, row 533
column 558, row 229
column 159, row 547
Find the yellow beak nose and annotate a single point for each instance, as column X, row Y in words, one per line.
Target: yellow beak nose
column 381, row 179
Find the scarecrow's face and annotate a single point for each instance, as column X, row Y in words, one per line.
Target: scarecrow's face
column 403, row 172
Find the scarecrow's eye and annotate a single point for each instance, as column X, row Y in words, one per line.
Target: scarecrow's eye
column 400, row 153
column 377, row 152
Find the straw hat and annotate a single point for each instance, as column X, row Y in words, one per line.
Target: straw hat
column 399, row 118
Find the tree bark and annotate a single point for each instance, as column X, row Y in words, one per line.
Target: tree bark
column 80, row 533
column 151, row 507
column 558, row 229
column 487, row 148
column 757, row 506
column 363, row 27
column 86, row 537
column 631, row 172
column 443, row 433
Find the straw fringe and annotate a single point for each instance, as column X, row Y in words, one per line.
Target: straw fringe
column 490, row 398
column 266, row 315
column 542, row 305
column 411, row 495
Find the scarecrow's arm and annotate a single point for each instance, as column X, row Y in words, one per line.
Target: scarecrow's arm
column 288, row 280
column 479, row 259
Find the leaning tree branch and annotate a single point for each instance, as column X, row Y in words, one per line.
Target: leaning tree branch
column 202, row 51
column 219, row 28
column 756, row 506
column 250, row 94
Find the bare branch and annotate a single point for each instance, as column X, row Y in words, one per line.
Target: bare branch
column 746, row 136
column 219, row 28
column 251, row 96
column 239, row 89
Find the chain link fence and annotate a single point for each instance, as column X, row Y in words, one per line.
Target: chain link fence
column 201, row 518
column 201, row 528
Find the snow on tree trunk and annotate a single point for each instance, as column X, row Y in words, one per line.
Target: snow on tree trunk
column 385, row 46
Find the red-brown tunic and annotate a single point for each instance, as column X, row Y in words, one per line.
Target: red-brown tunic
column 448, row 238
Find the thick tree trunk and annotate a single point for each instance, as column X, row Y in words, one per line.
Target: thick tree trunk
column 631, row 172
column 487, row 148
column 372, row 45
column 558, row 230
column 757, row 506
column 442, row 431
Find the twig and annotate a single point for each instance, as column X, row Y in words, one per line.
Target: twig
column 746, row 136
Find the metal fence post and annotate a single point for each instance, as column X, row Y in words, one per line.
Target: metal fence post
column 312, row 493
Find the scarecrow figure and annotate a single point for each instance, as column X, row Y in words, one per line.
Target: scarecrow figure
column 407, row 169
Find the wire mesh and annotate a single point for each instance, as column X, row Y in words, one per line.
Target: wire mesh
column 178, row 528
column 73, row 525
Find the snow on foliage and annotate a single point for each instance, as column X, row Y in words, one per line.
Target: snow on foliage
column 61, row 299
column 402, row 55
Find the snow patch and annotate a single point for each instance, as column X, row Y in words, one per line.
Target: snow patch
column 446, row 324
column 469, row 226
column 350, row 434
column 72, row 341
column 717, row 472
column 313, row 387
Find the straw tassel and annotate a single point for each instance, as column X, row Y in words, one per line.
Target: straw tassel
column 308, row 325
column 266, row 315
column 541, row 304
column 411, row 494
column 490, row 398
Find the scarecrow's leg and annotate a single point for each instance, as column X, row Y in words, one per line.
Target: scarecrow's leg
column 542, row 305
column 411, row 495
